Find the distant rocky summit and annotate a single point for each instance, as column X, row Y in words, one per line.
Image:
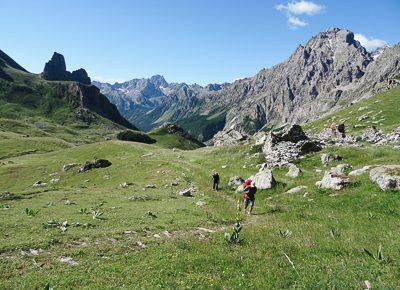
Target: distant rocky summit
column 56, row 70
column 330, row 71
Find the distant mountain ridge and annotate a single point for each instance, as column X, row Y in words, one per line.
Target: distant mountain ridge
column 330, row 71
column 149, row 103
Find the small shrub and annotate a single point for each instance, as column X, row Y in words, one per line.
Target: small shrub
column 135, row 136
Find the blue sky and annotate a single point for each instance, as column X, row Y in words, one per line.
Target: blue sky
column 193, row 41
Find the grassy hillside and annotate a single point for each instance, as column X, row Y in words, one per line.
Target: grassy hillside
column 170, row 140
column 325, row 236
column 382, row 111
column 32, row 106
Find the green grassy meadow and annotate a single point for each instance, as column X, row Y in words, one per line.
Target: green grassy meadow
column 325, row 233
column 382, row 111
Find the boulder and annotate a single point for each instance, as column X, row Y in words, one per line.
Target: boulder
column 332, row 181
column 387, row 177
column 264, row 179
column 294, row 171
column 260, row 137
column 340, row 169
column 186, row 192
column 228, row 137
column 360, row 171
column 332, row 132
column 296, row 189
column 235, row 181
column 293, row 134
column 325, row 159
column 67, row 167
column 39, row 184
column 99, row 163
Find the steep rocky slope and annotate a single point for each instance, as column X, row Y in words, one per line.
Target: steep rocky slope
column 66, row 103
column 330, row 71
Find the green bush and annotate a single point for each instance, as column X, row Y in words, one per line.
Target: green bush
column 135, row 136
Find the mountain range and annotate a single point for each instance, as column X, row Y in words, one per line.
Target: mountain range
column 330, row 71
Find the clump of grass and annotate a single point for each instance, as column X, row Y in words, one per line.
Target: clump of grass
column 31, row 212
column 285, row 234
column 97, row 215
column 335, row 233
column 378, row 256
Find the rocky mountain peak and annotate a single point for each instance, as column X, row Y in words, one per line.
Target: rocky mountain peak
column 158, row 81
column 55, row 70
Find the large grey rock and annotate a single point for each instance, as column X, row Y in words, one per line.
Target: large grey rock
column 332, row 132
column 340, row 169
column 332, row 181
column 99, row 163
column 325, row 159
column 296, row 189
column 387, row 177
column 360, row 171
column 229, row 137
column 294, row 171
column 264, row 179
column 186, row 192
column 335, row 178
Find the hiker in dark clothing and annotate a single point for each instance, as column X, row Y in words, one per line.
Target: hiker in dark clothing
column 215, row 177
column 249, row 197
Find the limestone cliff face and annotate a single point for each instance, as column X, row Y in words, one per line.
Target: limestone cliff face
column 330, row 71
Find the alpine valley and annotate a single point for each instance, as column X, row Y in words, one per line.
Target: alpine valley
column 332, row 70
column 288, row 179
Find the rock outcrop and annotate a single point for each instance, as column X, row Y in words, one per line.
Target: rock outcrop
column 56, row 70
column 229, row 137
column 286, row 146
column 378, row 137
column 99, row 163
column 387, row 177
column 88, row 100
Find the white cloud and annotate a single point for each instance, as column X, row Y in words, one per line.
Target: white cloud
column 370, row 44
column 296, row 22
column 301, row 7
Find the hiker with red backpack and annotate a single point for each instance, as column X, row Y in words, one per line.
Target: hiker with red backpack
column 249, row 192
